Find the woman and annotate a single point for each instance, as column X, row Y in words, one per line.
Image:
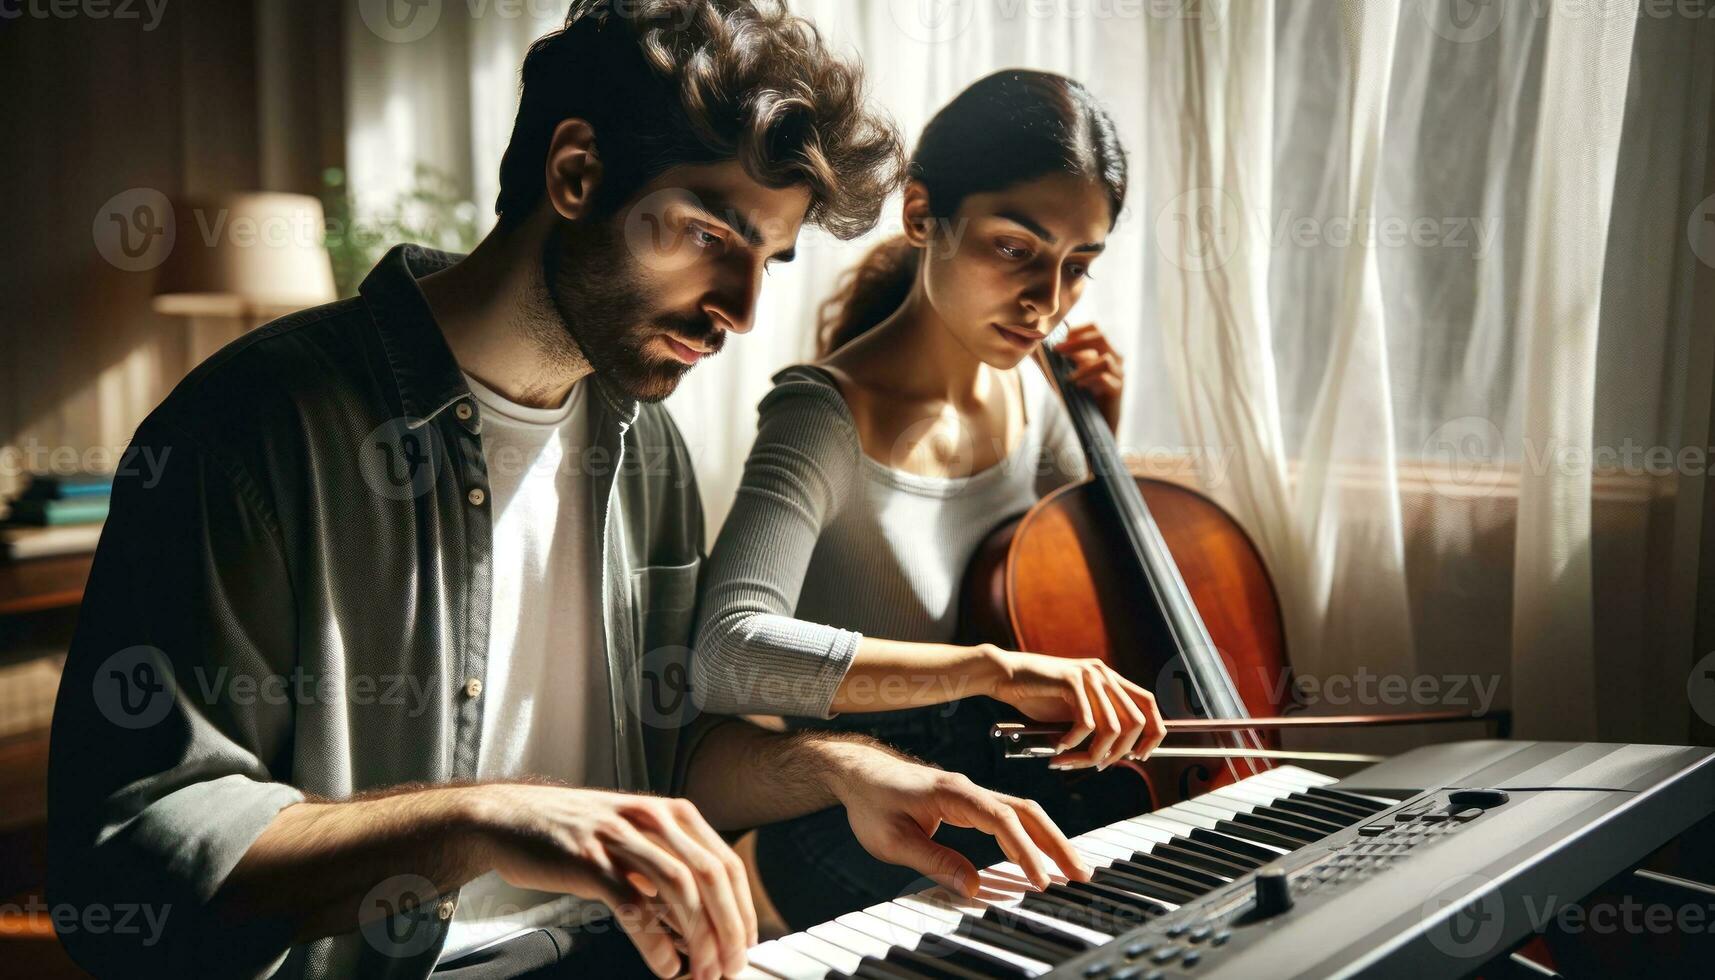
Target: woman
column 831, row 594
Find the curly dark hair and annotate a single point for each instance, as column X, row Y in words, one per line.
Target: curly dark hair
column 671, row 82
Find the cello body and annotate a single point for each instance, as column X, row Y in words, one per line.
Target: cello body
column 1060, row 580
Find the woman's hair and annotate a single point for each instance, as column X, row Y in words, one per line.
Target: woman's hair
column 1007, row 128
column 670, row 82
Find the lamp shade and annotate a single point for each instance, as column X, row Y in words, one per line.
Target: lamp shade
column 245, row 255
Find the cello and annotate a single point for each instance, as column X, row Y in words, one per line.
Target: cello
column 1154, row 579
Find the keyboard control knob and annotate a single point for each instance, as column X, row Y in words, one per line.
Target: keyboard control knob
column 1273, row 892
column 1485, row 798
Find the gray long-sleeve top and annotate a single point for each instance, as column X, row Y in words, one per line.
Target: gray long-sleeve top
column 825, row 544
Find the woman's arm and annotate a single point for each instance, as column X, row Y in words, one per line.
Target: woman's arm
column 753, row 656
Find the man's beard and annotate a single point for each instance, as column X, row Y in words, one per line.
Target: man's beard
column 603, row 305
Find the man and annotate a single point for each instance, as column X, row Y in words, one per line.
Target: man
column 359, row 685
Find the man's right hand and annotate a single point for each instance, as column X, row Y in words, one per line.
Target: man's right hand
column 654, row 861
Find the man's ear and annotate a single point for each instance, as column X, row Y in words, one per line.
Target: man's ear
column 919, row 224
column 574, row 169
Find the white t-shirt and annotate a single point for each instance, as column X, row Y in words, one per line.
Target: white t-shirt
column 547, row 706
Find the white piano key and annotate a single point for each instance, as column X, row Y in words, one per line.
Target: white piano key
column 836, row 958
column 779, row 960
column 849, row 939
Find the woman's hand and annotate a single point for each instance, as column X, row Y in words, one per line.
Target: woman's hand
column 1100, row 369
column 1119, row 717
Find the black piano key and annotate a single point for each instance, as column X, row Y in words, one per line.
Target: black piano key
column 1221, row 854
column 1107, row 906
column 1160, row 887
column 871, row 968
column 1055, row 907
column 1258, row 834
column 981, row 963
column 1355, row 814
column 1145, row 865
column 1235, row 844
column 1148, row 907
column 1338, row 818
column 1035, row 928
column 1283, row 828
column 1191, row 859
column 931, row 967
column 1013, row 941
column 1322, row 829
column 1362, row 802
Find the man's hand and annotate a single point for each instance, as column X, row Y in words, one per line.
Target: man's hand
column 896, row 804
column 654, row 861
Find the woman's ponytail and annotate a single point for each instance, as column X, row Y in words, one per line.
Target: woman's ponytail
column 867, row 294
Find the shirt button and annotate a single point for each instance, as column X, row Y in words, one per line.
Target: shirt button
column 463, row 411
column 473, row 687
column 445, row 909
column 477, row 496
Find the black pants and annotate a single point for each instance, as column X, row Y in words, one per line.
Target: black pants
column 596, row 952
column 814, row 868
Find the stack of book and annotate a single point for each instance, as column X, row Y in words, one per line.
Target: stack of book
column 56, row 515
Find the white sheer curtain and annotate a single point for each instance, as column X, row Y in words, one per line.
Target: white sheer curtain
column 1468, row 321
column 1405, row 417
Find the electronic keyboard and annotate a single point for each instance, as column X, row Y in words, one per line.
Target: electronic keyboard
column 1429, row 864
